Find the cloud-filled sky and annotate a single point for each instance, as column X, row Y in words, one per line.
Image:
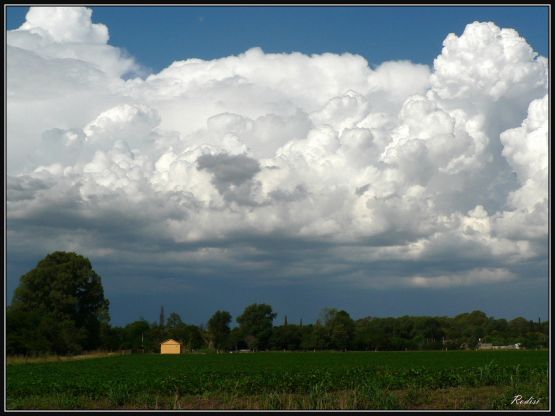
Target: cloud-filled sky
column 300, row 179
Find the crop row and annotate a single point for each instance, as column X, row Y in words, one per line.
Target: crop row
column 198, row 381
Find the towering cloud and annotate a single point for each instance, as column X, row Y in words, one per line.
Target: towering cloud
column 243, row 155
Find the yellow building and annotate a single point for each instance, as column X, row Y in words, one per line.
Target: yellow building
column 170, row 346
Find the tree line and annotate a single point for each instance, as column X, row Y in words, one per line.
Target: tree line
column 59, row 307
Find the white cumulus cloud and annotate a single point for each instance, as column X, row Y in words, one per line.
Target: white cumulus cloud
column 401, row 163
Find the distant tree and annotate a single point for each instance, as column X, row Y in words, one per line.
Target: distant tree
column 285, row 337
column 314, row 337
column 256, row 323
column 251, row 341
column 141, row 336
column 64, row 296
column 325, row 315
column 193, row 337
column 431, row 329
column 519, row 327
column 405, row 327
column 111, row 338
column 218, row 329
column 362, row 336
column 173, row 321
column 237, row 339
column 477, row 318
column 341, row 330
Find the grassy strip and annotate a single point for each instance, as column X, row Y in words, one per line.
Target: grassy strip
column 485, row 397
column 21, row 359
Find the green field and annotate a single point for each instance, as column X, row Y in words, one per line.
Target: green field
column 285, row 380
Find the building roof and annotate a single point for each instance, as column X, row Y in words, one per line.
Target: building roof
column 171, row 341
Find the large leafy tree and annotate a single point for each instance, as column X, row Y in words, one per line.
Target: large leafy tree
column 256, row 325
column 64, row 299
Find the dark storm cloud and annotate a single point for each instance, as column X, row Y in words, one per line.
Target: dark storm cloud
column 231, row 175
column 229, row 169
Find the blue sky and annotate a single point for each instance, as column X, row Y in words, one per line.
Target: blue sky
column 382, row 187
column 157, row 36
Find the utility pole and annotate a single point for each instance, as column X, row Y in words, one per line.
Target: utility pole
column 285, row 321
